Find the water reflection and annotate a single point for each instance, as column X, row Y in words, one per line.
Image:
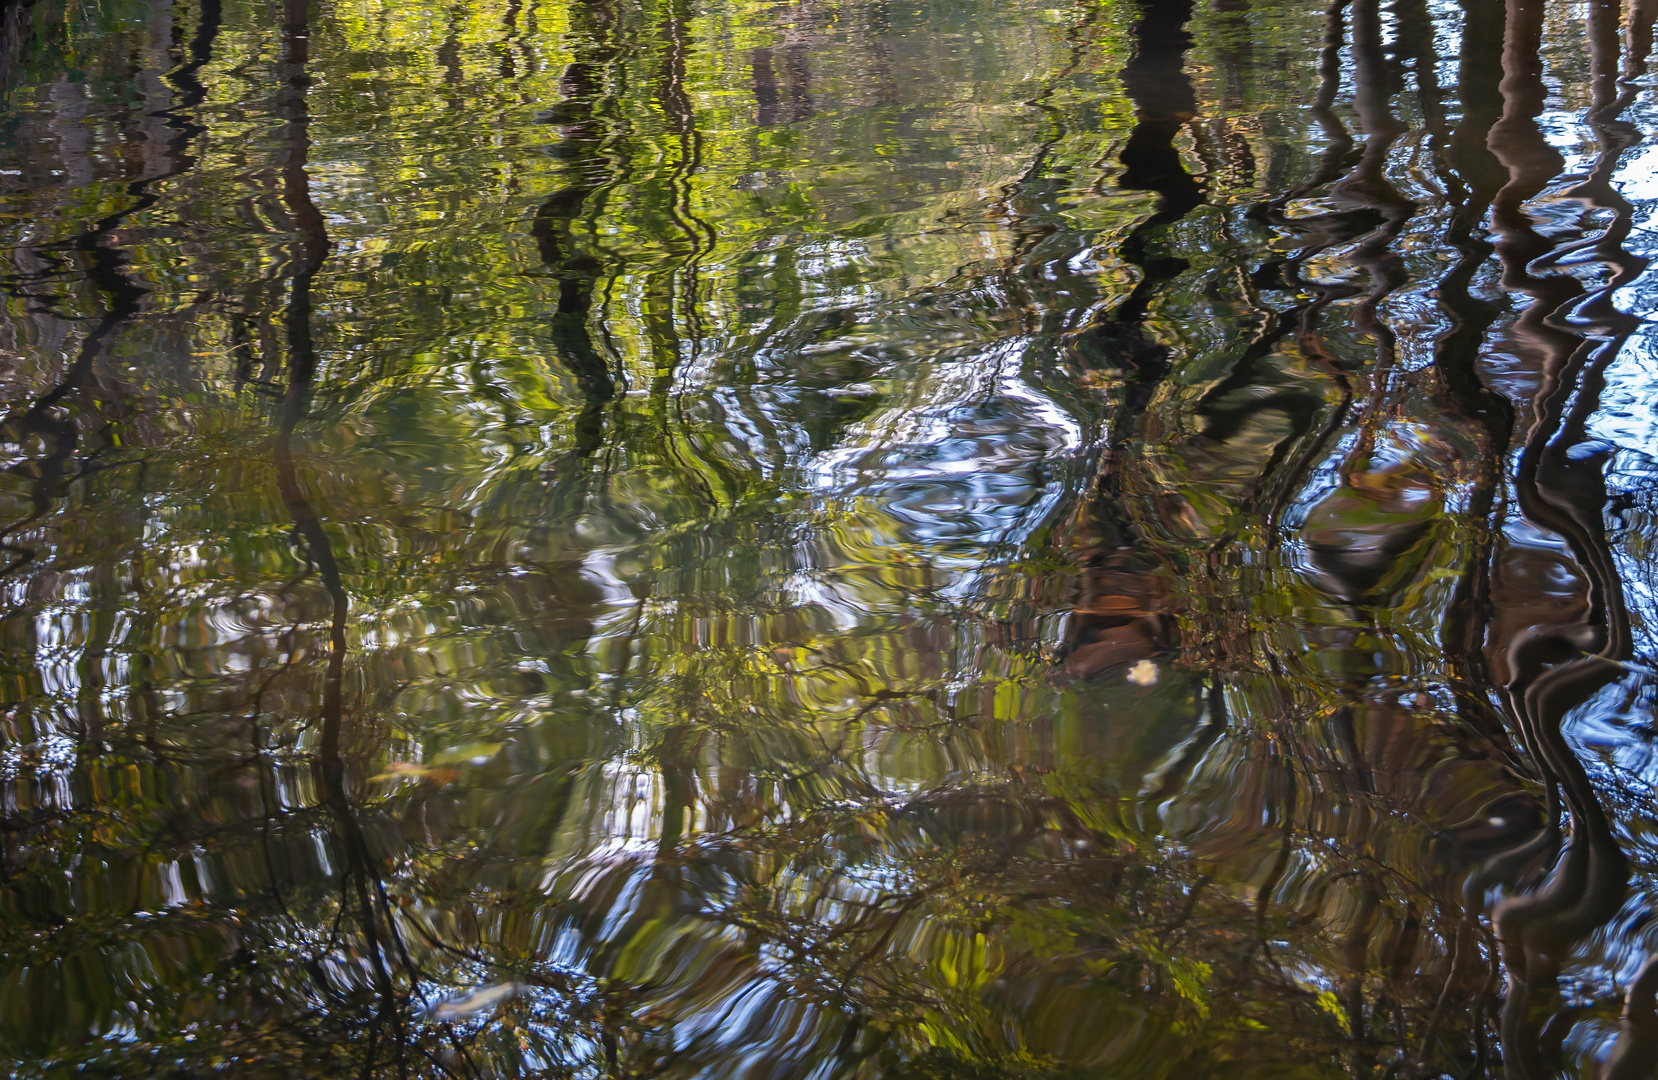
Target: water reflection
column 718, row 540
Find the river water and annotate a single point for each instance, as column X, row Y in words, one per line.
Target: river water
column 828, row 540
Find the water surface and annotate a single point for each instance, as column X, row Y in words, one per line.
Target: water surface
column 835, row 539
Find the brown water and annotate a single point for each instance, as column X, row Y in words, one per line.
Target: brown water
column 827, row 540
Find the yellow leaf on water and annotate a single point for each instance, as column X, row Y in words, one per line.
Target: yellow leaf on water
column 409, row 770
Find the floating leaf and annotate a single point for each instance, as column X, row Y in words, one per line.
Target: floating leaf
column 409, row 770
column 472, row 1002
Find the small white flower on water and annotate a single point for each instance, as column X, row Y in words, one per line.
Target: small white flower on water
column 1143, row 674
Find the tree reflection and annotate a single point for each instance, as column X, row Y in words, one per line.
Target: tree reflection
column 854, row 542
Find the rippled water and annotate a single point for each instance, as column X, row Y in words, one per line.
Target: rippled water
column 696, row 538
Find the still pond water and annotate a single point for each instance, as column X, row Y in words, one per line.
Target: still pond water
column 833, row 539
